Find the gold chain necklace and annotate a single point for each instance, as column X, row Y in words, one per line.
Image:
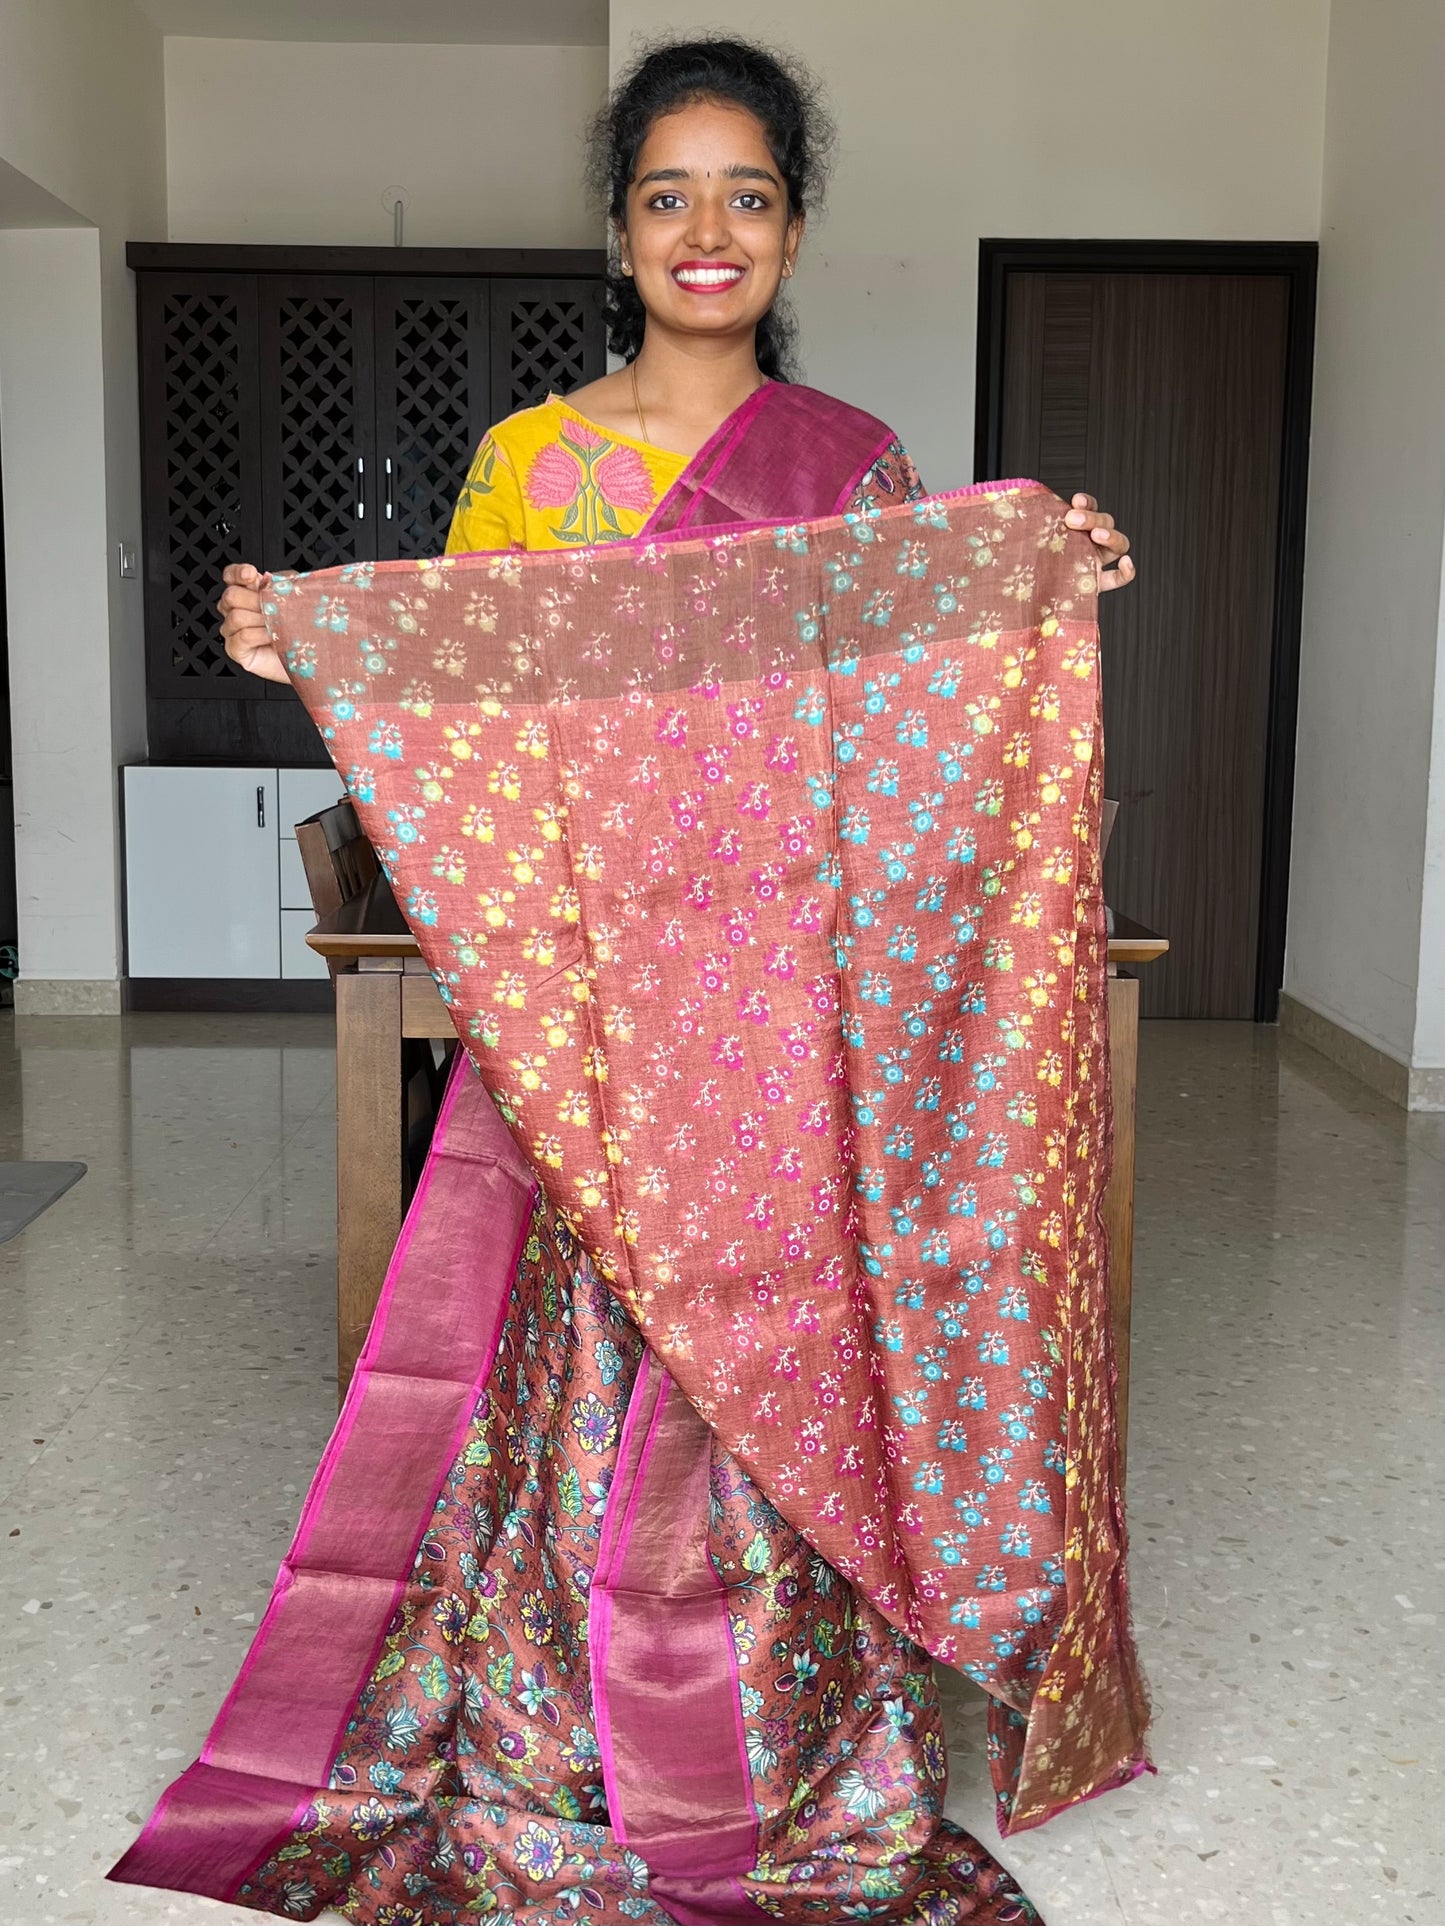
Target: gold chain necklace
column 637, row 404
column 637, row 399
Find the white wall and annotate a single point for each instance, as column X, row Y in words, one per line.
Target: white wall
column 1429, row 1050
column 57, row 596
column 295, row 143
column 81, row 117
column 1045, row 118
column 1368, row 876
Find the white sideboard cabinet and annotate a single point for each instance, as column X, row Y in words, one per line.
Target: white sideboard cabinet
column 214, row 882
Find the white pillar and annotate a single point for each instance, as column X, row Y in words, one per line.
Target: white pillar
column 53, row 443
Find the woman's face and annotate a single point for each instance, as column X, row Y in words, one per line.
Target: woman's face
column 707, row 230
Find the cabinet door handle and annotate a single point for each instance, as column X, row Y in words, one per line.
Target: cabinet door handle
column 260, row 805
column 361, row 488
column 389, row 505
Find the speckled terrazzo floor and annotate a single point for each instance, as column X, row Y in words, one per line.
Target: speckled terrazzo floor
column 165, row 1389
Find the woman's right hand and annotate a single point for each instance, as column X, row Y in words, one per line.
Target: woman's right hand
column 248, row 643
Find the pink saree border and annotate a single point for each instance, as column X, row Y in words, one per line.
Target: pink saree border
column 666, row 1689
column 220, row 1819
column 761, row 436
column 643, row 1414
column 709, row 459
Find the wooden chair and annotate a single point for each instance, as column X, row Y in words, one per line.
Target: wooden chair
column 338, row 860
column 340, row 864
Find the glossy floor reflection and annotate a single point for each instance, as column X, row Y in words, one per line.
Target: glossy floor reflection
column 165, row 1390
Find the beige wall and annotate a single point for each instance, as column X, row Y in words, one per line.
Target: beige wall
column 82, row 119
column 961, row 119
column 296, row 143
column 1367, row 898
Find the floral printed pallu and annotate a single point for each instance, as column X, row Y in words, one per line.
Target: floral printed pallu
column 750, row 1329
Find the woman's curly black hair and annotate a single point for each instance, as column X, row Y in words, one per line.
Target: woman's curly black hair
column 670, row 74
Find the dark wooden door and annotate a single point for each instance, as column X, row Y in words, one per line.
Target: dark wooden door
column 1165, row 395
column 547, row 336
column 301, row 412
column 316, row 396
column 200, row 471
column 433, row 404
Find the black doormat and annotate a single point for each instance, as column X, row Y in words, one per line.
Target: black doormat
column 28, row 1189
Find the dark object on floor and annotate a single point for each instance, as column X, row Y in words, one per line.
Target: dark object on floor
column 28, row 1189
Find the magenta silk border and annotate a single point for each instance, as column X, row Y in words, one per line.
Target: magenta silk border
column 762, row 438
column 276, row 1736
column 709, row 460
column 665, row 1684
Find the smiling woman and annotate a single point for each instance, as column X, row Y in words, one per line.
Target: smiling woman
column 619, row 1682
column 760, row 157
column 708, row 157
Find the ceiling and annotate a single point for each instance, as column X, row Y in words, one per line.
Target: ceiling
column 577, row 23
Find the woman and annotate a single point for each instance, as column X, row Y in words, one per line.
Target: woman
column 709, row 156
column 447, row 1799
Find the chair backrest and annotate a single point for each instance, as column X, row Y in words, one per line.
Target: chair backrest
column 338, row 860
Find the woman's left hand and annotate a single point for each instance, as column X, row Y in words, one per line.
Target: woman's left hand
column 1112, row 543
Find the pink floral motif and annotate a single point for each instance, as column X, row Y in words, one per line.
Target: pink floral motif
column 554, row 479
column 623, row 478
column 593, row 479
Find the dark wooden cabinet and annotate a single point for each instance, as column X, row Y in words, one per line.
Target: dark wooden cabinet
column 317, row 403
column 303, row 408
column 433, row 405
column 200, row 466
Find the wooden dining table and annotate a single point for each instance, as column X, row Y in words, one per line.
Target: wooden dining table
column 385, row 995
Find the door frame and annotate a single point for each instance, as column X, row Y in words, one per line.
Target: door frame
column 1298, row 263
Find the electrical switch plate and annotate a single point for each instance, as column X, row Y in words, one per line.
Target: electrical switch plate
column 128, row 564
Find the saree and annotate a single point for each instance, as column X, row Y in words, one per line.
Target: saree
column 758, row 867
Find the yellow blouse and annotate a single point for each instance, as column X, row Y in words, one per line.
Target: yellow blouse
column 550, row 478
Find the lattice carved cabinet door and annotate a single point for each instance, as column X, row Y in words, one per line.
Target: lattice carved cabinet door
column 547, row 337
column 320, row 484
column 201, row 462
column 433, row 405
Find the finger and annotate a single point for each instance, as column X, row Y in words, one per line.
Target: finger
column 244, row 575
column 1113, row 539
column 1120, row 577
column 1083, row 501
column 244, row 636
column 241, row 605
column 1105, row 532
column 1088, row 518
